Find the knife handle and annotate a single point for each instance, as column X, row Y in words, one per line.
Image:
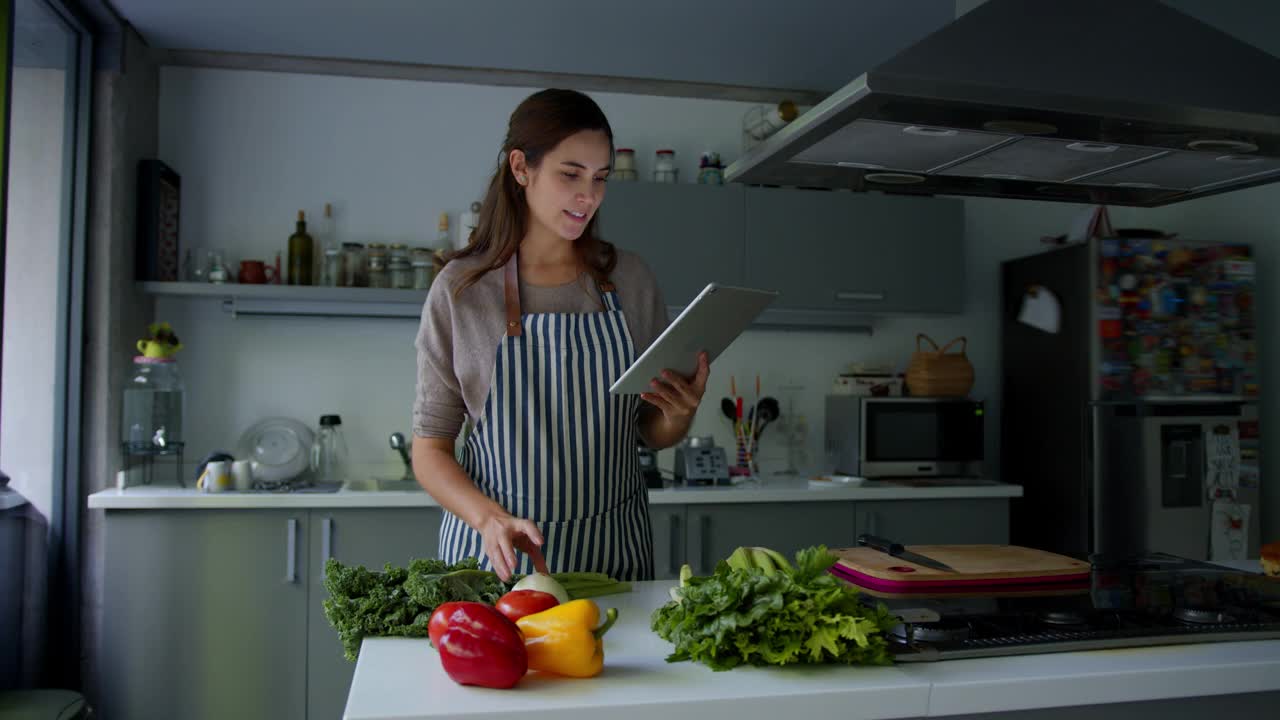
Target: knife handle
column 884, row 545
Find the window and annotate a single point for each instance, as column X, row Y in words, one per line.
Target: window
column 46, row 76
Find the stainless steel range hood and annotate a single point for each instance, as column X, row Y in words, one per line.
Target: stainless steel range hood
column 1123, row 102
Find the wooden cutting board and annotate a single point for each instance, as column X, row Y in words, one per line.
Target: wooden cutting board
column 979, row 569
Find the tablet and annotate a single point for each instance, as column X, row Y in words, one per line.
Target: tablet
column 715, row 318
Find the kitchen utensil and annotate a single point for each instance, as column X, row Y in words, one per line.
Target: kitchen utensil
column 751, row 436
column 279, row 448
column 215, row 455
column 889, row 547
column 255, row 272
column 977, row 570
column 767, row 411
column 216, row 477
column 242, row 475
column 728, row 408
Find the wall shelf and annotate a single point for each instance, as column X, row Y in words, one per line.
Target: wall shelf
column 242, row 299
column 294, row 300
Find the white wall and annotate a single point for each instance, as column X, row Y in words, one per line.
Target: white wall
column 253, row 148
column 32, row 284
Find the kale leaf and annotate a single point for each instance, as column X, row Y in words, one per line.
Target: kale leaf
column 399, row 601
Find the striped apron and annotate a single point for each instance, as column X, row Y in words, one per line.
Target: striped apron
column 553, row 445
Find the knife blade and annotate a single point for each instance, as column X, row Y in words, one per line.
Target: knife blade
column 893, row 549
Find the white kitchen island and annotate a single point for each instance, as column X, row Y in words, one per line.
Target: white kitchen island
column 272, row 548
column 402, row 679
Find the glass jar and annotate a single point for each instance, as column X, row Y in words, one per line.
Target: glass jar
column 624, row 165
column 352, row 265
column 424, row 269
column 664, row 166
column 397, row 251
column 151, row 418
column 376, row 266
column 398, row 268
column 329, row 452
column 331, row 270
column 401, row 273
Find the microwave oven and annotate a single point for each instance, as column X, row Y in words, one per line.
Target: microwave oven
column 904, row 436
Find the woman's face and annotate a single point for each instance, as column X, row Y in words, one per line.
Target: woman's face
column 567, row 187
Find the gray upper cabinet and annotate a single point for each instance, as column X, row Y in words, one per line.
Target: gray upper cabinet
column 716, row 530
column 840, row 253
column 205, row 615
column 689, row 234
column 370, row 538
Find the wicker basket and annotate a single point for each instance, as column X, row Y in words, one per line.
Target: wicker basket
column 938, row 373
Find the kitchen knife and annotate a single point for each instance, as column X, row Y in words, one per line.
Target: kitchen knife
column 893, row 549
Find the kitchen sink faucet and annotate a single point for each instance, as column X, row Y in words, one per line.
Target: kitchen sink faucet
column 398, row 444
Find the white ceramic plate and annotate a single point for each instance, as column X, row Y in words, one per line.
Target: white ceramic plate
column 279, row 448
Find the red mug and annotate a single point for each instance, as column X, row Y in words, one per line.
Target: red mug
column 256, row 272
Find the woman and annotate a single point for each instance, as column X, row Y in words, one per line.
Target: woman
column 524, row 331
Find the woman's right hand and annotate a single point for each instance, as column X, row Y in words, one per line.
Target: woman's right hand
column 503, row 535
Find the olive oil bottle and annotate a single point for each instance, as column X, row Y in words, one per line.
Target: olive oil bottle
column 301, row 253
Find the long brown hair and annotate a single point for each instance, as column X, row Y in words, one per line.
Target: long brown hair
column 537, row 126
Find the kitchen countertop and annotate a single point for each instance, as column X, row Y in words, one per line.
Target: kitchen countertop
column 402, row 678
column 768, row 489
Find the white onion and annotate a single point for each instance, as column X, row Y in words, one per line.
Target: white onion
column 544, row 583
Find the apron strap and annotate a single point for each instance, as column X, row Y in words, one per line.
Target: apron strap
column 511, row 285
column 511, row 290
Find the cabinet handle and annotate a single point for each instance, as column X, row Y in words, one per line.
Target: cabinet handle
column 326, row 542
column 705, row 529
column 847, row 295
column 869, row 525
column 676, row 541
column 291, row 552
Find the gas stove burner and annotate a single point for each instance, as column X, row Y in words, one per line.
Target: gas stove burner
column 1063, row 617
column 1201, row 616
column 941, row 632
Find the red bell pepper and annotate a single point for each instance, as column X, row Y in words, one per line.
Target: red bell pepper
column 518, row 603
column 480, row 646
column 439, row 621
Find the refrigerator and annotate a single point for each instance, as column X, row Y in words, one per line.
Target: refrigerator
column 1129, row 398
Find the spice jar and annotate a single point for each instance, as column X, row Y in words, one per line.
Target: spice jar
column 376, row 266
column 624, row 165
column 352, row 265
column 424, row 269
column 397, row 251
column 664, row 166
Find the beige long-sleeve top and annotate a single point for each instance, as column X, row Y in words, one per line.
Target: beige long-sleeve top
column 458, row 336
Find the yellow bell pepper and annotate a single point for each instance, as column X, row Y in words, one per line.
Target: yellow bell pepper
column 565, row 640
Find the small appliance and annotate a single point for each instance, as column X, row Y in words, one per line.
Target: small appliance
column 905, row 436
column 700, row 462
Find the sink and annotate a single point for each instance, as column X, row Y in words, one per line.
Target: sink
column 381, row 484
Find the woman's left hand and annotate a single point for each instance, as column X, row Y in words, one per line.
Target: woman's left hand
column 678, row 396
